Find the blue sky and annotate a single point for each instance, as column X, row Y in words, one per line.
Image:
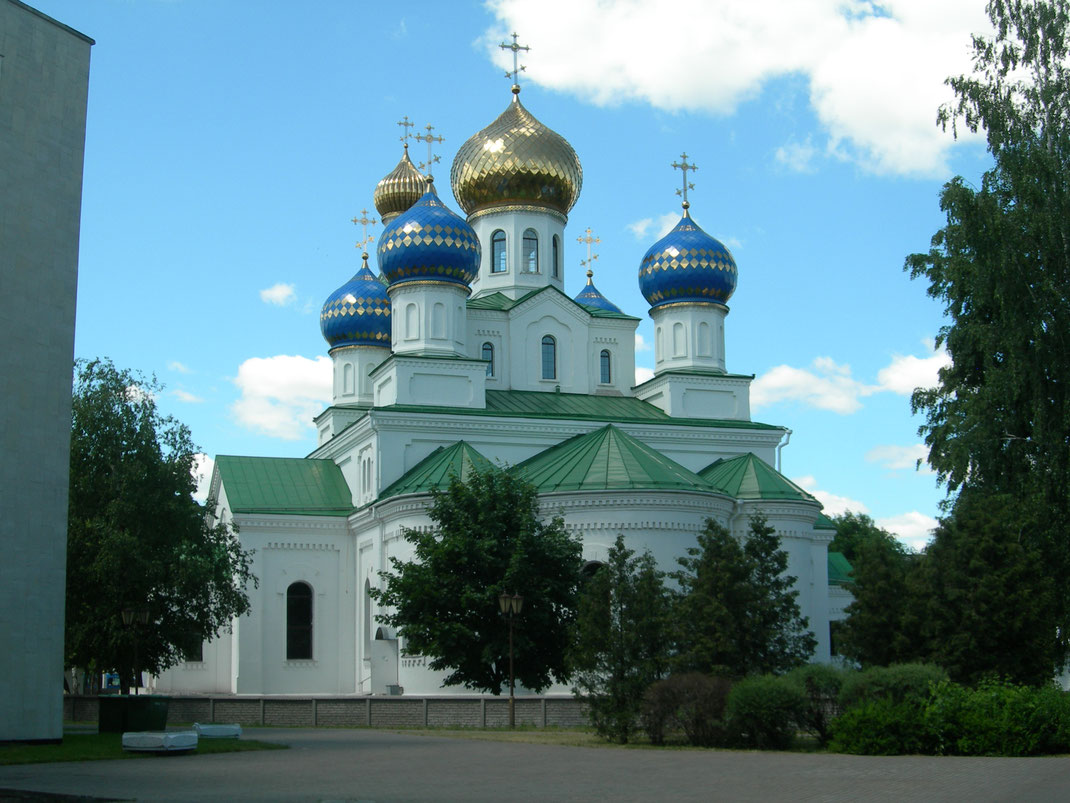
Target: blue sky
column 229, row 144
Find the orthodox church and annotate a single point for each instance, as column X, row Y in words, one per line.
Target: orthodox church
column 466, row 351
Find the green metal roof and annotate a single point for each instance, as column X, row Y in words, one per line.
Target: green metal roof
column 824, row 523
column 292, row 485
column 839, row 569
column 749, row 477
column 606, row 459
column 502, row 303
column 435, row 470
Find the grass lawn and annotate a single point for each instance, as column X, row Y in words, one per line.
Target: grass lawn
column 95, row 746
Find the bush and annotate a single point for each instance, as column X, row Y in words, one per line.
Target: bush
column 882, row 727
column 693, row 703
column 820, row 685
column 899, row 682
column 763, row 712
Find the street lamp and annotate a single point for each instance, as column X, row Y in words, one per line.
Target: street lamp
column 140, row 615
column 511, row 605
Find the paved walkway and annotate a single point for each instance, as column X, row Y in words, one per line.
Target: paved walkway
column 372, row 765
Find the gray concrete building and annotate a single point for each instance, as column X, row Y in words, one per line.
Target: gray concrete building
column 44, row 87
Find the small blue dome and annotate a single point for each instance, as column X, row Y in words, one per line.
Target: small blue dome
column 357, row 313
column 687, row 265
column 428, row 242
column 590, row 297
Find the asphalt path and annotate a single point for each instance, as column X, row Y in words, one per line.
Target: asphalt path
column 375, row 765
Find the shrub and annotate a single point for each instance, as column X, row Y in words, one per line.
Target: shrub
column 899, row 682
column 763, row 712
column 820, row 684
column 692, row 702
column 882, row 727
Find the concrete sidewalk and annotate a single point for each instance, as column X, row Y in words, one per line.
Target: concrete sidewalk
column 372, row 765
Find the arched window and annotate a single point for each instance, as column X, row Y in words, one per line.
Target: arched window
column 549, row 358
column 488, row 355
column 530, row 257
column 604, row 369
column 299, row 622
column 703, row 349
column 438, row 321
column 497, row 252
column 679, row 346
column 348, row 388
column 556, row 267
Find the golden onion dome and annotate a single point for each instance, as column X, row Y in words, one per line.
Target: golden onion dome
column 516, row 160
column 399, row 189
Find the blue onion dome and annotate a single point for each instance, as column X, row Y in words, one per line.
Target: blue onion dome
column 516, row 160
column 590, row 297
column 428, row 242
column 687, row 266
column 357, row 313
column 399, row 189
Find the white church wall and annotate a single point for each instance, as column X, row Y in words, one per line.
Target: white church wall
column 211, row 675
column 517, row 279
column 618, row 338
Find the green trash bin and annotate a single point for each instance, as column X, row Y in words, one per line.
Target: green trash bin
column 121, row 713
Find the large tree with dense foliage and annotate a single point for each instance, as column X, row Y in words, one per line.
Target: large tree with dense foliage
column 737, row 610
column 621, row 639
column 135, row 535
column 998, row 422
column 487, row 539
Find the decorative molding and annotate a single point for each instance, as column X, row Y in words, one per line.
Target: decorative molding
column 301, row 546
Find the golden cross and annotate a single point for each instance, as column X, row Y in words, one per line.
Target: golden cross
column 517, row 67
column 364, row 221
column 590, row 259
column 684, row 166
column 429, row 140
column 405, row 126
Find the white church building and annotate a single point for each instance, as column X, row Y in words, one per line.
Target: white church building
column 465, row 351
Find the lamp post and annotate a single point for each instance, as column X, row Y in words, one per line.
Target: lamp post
column 138, row 615
column 511, row 605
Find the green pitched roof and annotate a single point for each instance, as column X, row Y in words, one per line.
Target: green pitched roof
column 606, row 459
column 293, row 485
column 749, row 477
column 435, row 470
column 502, row 303
column 824, row 523
column 839, row 569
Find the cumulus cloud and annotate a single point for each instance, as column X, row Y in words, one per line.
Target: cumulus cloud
column 660, row 226
column 874, row 71
column 640, row 343
column 797, row 157
column 186, row 396
column 202, row 473
column 181, row 368
column 280, row 395
column 643, row 374
column 914, row 529
column 279, row 294
column 905, row 373
column 897, row 458
column 833, row 504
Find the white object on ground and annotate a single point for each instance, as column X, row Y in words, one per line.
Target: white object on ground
column 218, row 730
column 153, row 741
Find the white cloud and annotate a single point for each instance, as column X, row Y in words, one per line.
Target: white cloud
column 663, row 224
column 202, row 472
column 827, row 385
column 279, row 294
column 643, row 374
column 186, row 396
column 797, row 156
column 833, row 504
column 875, row 71
column 897, row 458
column 640, row 343
column 175, row 365
column 639, row 227
column 905, row 373
column 914, row 529
column 280, row 395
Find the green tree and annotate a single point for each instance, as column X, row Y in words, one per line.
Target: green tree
column 620, row 643
column 135, row 535
column 736, row 610
column 879, row 624
column 854, row 529
column 999, row 420
column 487, row 540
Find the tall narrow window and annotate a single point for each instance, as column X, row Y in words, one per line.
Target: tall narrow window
column 556, row 266
column 299, row 622
column 497, row 252
column 488, row 355
column 603, row 364
column 549, row 358
column 531, row 251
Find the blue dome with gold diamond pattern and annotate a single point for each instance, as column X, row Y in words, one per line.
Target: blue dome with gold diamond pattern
column 591, row 297
column 428, row 242
column 357, row 313
column 687, row 266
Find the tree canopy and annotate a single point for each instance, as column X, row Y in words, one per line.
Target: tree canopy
column 487, row 539
column 136, row 536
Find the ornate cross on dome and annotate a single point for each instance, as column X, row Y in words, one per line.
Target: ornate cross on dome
column 684, row 166
column 429, row 140
column 405, row 126
column 517, row 67
column 364, row 221
column 590, row 240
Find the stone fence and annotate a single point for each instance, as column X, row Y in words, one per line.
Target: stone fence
column 354, row 712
